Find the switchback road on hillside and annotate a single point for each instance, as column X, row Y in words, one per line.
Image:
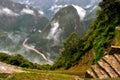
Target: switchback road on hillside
column 35, row 50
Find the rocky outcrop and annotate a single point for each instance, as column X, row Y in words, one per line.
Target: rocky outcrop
column 107, row 67
column 5, row 68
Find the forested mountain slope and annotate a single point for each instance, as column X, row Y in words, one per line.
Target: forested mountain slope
column 98, row 38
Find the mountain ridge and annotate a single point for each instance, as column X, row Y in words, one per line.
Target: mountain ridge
column 54, row 5
column 98, row 38
column 18, row 21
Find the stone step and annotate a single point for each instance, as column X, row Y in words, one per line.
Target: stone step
column 91, row 73
column 107, row 68
column 117, row 57
column 112, row 61
column 99, row 72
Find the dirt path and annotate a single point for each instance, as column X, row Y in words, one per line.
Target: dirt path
column 6, row 68
column 35, row 50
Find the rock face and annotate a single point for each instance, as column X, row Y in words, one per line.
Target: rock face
column 5, row 68
column 107, row 67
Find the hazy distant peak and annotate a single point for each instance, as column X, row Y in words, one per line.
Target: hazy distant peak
column 80, row 11
column 50, row 7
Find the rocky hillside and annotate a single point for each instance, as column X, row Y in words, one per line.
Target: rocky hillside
column 6, row 68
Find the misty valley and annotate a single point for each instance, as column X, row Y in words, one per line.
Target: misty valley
column 59, row 39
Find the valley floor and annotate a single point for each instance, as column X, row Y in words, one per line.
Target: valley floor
column 36, row 75
column 10, row 72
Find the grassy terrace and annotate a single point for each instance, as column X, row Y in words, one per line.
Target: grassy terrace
column 42, row 75
column 37, row 75
column 60, row 74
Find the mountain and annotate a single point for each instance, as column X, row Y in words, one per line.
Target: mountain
column 65, row 31
column 17, row 22
column 97, row 41
column 54, row 5
column 27, row 31
column 11, row 12
column 65, row 21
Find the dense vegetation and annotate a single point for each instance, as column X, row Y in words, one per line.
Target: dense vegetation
column 18, row 60
column 98, row 38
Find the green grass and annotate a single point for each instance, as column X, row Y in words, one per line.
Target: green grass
column 37, row 75
column 117, row 38
column 43, row 75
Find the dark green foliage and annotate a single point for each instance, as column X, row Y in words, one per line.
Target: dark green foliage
column 4, row 57
column 102, row 29
column 98, row 37
column 18, row 60
column 107, row 20
column 15, row 59
column 71, row 52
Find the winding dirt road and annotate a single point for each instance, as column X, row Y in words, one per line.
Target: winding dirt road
column 35, row 50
